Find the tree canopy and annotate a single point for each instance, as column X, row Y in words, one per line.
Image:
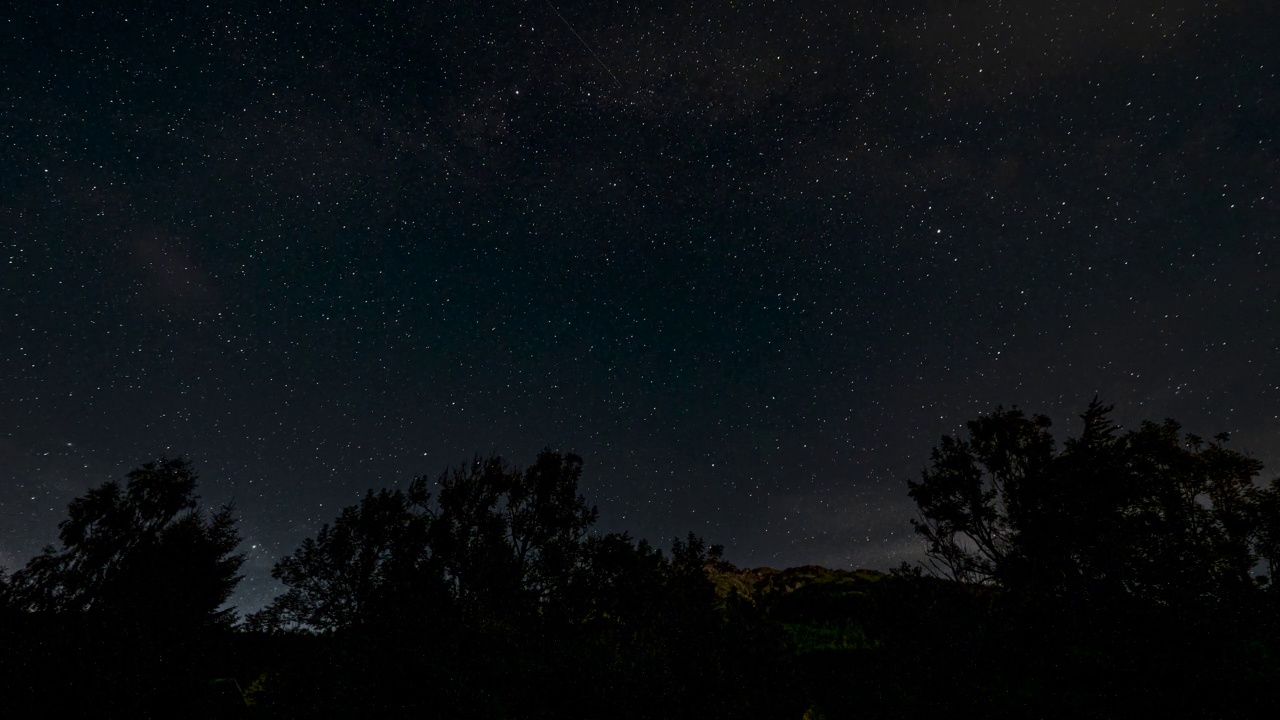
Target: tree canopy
column 1119, row 573
column 485, row 537
column 336, row 579
column 141, row 550
column 1148, row 514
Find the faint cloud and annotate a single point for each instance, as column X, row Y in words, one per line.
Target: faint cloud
column 853, row 529
column 172, row 278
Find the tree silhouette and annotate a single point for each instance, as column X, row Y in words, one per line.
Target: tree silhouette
column 546, row 521
column 126, row 616
column 337, row 579
column 969, row 500
column 454, row 579
column 1128, row 570
column 1147, row 514
column 487, row 540
column 505, row 536
column 142, row 551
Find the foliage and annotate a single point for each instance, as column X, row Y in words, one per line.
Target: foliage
column 1121, row 574
column 337, row 579
column 1130, row 570
column 142, row 551
column 485, row 539
column 489, row 576
column 1148, row 514
column 127, row 615
column 503, row 539
column 970, row 500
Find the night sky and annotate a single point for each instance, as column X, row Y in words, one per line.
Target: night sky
column 749, row 259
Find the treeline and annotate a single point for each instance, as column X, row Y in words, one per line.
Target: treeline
column 1122, row 574
column 482, row 593
column 479, row 593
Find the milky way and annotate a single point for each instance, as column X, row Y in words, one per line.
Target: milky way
column 749, row 259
